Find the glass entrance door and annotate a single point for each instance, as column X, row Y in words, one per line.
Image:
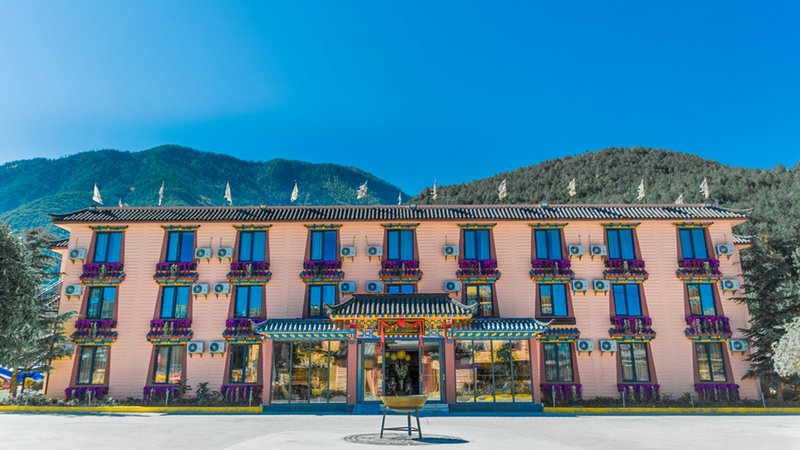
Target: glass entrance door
column 400, row 368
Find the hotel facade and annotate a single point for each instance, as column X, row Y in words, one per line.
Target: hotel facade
column 473, row 306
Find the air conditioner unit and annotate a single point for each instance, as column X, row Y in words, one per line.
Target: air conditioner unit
column 580, row 285
column 601, row 285
column 452, row 286
column 724, row 250
column 222, row 288
column 347, row 251
column 374, row 287
column 585, row 345
column 597, row 250
column 347, row 287
column 202, row 253
column 730, row 284
column 575, row 250
column 216, row 347
column 225, row 253
column 195, row 347
column 739, row 345
column 200, row 289
column 374, row 250
column 73, row 290
column 450, row 250
column 77, row 253
column 608, row 345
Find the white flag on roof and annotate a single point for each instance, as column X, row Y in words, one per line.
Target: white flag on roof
column 96, row 195
column 434, row 191
column 295, row 193
column 227, row 195
column 704, row 189
column 502, row 191
column 640, row 197
column 362, row 191
column 679, row 200
column 572, row 188
column 399, row 198
column 161, row 194
column 120, row 202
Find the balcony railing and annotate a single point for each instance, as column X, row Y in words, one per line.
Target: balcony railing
column 638, row 391
column 698, row 268
column 325, row 270
column 239, row 328
column 562, row 392
column 625, row 268
column 102, row 271
column 85, row 392
column 632, row 326
column 171, row 329
column 551, row 269
column 712, row 326
column 406, row 268
column 256, row 271
column 477, row 268
column 94, row 330
column 717, row 391
column 176, row 270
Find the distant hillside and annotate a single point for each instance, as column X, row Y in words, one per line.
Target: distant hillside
column 612, row 176
column 30, row 189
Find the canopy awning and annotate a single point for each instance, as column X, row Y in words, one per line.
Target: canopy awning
column 302, row 329
column 497, row 328
column 400, row 306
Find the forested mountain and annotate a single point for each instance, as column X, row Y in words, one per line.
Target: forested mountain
column 30, row 189
column 613, row 175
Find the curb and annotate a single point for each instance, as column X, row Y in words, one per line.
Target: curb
column 133, row 409
column 673, row 411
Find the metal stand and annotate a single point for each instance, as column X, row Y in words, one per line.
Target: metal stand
column 408, row 428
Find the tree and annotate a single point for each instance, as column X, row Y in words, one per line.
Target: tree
column 787, row 351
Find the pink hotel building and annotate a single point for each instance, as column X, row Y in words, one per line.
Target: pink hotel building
column 475, row 306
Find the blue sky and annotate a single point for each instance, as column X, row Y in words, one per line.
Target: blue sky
column 410, row 91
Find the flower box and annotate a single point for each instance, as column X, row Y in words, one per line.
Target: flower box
column 239, row 328
column 176, row 271
column 249, row 271
column 708, row 326
column 94, row 330
column 638, row 391
column 405, row 269
column 625, row 269
column 562, row 392
column 170, row 329
column 85, row 392
column 322, row 270
column 102, row 271
column 698, row 268
column 160, row 391
column 717, row 391
column 477, row 268
column 637, row 326
column 544, row 269
column 238, row 393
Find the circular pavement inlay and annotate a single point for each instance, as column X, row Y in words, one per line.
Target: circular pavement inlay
column 402, row 439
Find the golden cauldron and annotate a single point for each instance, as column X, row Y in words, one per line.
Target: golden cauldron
column 406, row 404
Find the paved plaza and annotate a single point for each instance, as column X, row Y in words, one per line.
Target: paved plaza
column 247, row 432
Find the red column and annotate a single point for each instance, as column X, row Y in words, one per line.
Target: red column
column 352, row 373
column 450, row 371
column 537, row 392
column 266, row 393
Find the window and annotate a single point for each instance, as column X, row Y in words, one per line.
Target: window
column 180, row 246
column 626, row 299
column 323, row 245
column 244, row 363
column 477, row 244
column 92, row 364
column 107, row 247
column 710, row 362
column 558, row 362
column 400, row 245
column 493, row 371
column 168, row 367
column 482, row 295
column 252, row 246
column 620, row 243
column 101, row 302
column 174, row 302
column 635, row 367
column 318, row 295
column 701, row 299
column 693, row 243
column 553, row 299
column 248, row 302
column 309, row 372
column 400, row 288
column 548, row 244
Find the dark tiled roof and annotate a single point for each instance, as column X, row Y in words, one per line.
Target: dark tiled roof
column 301, row 329
column 499, row 328
column 738, row 239
column 250, row 214
column 60, row 243
column 399, row 305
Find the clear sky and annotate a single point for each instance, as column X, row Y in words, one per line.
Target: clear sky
column 411, row 91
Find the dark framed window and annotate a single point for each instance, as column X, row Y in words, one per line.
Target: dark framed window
column 175, row 302
column 252, row 246
column 548, row 244
column 701, row 299
column 248, row 302
column 323, row 245
column 92, row 364
column 319, row 295
column 693, row 243
column 309, row 372
column 634, row 362
column 401, row 288
column 710, row 362
column 400, row 245
column 558, row 362
column 553, row 300
column 244, row 363
column 107, row 247
column 168, row 367
column 180, row 246
column 482, row 294
column 101, row 302
column 477, row 244
column 620, row 243
column 627, row 301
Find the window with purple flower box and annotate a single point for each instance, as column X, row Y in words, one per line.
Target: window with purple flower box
column 693, row 243
column 621, row 243
column 710, row 362
column 252, row 246
column 107, row 247
column 634, row 362
column 244, row 363
column 174, row 302
column 92, row 364
column 168, row 367
column 101, row 301
column 701, row 299
column 324, row 245
column 477, row 244
column 180, row 246
column 400, row 245
column 248, row 302
column 548, row 243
